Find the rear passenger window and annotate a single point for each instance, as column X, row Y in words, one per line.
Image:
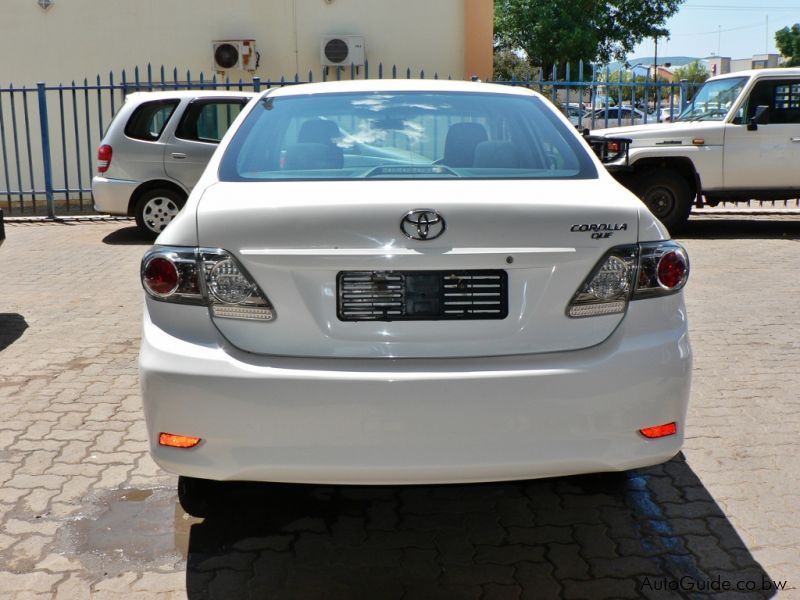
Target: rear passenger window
column 148, row 121
column 208, row 120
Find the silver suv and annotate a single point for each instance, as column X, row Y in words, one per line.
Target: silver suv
column 155, row 150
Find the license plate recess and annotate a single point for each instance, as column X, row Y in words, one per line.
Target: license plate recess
column 422, row 295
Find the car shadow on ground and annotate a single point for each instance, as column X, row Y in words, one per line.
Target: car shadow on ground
column 652, row 533
column 12, row 326
column 741, row 227
column 128, row 236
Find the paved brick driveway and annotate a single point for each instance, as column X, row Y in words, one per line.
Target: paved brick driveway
column 85, row 513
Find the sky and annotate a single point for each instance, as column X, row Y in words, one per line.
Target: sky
column 735, row 28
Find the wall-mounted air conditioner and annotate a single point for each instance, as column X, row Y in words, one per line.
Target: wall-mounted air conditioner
column 232, row 55
column 342, row 50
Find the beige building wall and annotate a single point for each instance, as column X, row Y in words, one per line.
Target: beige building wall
column 74, row 39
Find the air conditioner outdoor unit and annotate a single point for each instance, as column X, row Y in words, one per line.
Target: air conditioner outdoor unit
column 231, row 55
column 342, row 50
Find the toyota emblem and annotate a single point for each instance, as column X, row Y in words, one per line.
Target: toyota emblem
column 423, row 224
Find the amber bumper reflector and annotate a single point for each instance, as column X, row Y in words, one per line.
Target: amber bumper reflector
column 178, row 441
column 660, row 430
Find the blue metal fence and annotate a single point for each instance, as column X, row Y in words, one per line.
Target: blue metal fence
column 49, row 134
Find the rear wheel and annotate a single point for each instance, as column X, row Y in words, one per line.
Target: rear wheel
column 667, row 195
column 156, row 208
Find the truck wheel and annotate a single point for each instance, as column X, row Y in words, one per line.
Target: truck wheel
column 156, row 208
column 667, row 195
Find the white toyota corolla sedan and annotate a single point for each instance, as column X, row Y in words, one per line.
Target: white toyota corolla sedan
column 405, row 282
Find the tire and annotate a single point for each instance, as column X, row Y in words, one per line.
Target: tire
column 201, row 497
column 667, row 195
column 156, row 208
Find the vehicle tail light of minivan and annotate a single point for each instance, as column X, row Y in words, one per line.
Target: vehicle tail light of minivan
column 631, row 272
column 104, row 154
column 204, row 276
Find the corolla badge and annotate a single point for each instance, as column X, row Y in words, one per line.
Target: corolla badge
column 599, row 231
column 423, row 224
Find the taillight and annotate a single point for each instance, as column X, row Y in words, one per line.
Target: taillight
column 204, row 276
column 104, row 154
column 160, row 276
column 663, row 269
column 607, row 289
column 672, row 270
column 632, row 272
column 169, row 274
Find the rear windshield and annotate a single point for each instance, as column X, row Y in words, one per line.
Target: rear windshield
column 404, row 135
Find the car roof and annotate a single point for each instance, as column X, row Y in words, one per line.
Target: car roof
column 399, row 85
column 180, row 94
column 787, row 72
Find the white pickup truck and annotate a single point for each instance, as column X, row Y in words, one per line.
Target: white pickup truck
column 738, row 139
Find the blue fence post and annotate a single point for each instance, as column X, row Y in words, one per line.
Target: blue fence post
column 580, row 94
column 684, row 94
column 256, row 83
column 47, row 162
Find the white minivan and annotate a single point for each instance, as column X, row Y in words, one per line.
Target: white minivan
column 155, row 150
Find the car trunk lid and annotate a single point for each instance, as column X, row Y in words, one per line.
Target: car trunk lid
column 334, row 260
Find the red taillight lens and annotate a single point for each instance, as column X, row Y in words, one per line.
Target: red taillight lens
column 672, row 270
column 659, row 431
column 104, row 154
column 160, row 276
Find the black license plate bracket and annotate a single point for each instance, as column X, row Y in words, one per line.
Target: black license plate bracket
column 422, row 295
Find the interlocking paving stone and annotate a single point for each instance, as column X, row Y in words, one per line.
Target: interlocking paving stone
column 73, row 453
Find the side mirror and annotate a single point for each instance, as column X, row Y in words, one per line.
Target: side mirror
column 761, row 117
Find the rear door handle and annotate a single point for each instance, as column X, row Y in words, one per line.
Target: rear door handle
column 795, row 140
column 178, row 155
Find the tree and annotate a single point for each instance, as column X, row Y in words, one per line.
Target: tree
column 626, row 87
column 557, row 32
column 695, row 73
column 510, row 65
column 788, row 42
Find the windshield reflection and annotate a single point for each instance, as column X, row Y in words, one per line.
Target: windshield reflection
column 713, row 101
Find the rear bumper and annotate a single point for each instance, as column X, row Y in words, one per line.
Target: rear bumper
column 385, row 421
column 112, row 196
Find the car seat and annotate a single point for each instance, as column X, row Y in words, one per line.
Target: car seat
column 460, row 144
